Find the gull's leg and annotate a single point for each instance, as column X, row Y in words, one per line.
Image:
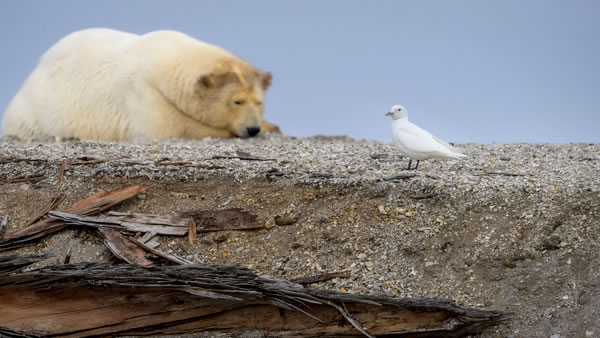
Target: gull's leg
column 417, row 164
column 409, row 163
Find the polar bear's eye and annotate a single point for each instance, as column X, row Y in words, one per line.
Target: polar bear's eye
column 238, row 102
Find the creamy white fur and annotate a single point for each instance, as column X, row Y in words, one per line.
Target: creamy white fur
column 105, row 84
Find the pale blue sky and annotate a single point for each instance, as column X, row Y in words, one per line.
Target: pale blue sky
column 467, row 70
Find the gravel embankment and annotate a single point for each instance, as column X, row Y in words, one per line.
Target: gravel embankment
column 514, row 227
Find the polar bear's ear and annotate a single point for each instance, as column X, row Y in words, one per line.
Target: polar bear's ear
column 266, row 79
column 214, row 80
column 207, row 81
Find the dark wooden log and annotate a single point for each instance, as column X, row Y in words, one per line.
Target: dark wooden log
column 8, row 333
column 107, row 300
column 14, row 263
column 321, row 278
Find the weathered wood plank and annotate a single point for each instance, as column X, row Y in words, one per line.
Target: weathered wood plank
column 170, row 224
column 169, row 257
column 123, row 248
column 105, row 299
column 88, row 206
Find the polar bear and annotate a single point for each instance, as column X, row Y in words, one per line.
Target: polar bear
column 103, row 84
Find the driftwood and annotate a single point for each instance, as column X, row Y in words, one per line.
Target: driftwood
column 3, row 225
column 101, row 299
column 192, row 231
column 321, row 278
column 243, row 157
column 400, row 176
column 89, row 206
column 28, row 179
column 170, row 224
column 166, row 162
column 67, row 259
column 422, row 196
column 149, row 239
column 4, row 159
column 502, row 173
column 169, row 257
column 121, row 247
column 86, row 160
column 64, row 166
column 14, row 263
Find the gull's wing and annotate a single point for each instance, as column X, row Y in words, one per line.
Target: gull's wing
column 449, row 146
column 418, row 140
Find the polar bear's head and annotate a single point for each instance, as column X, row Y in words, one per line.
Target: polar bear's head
column 233, row 99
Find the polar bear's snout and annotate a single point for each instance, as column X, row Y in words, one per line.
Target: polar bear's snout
column 248, row 127
column 253, row 131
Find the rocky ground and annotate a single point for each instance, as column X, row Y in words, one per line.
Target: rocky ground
column 514, row 227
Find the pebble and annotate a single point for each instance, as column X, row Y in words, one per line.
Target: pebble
column 227, row 202
column 270, row 223
column 220, row 238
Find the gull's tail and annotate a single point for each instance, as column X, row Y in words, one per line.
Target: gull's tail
column 454, row 151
